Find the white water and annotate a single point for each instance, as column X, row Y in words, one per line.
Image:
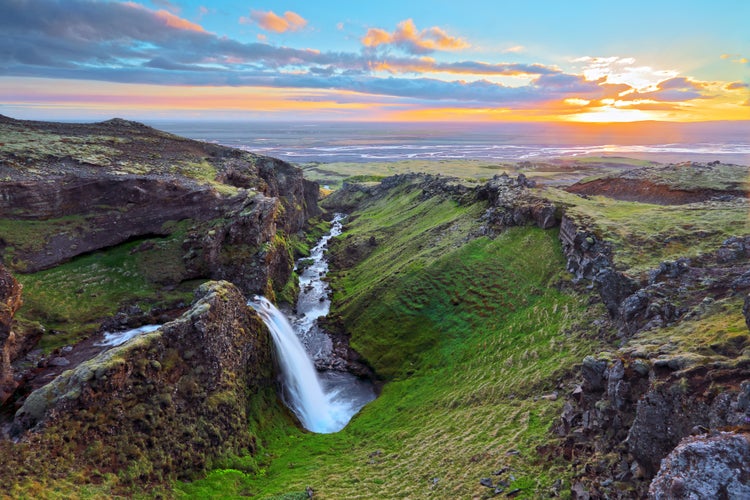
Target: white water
column 317, row 410
column 304, row 394
column 112, row 339
column 323, row 402
column 313, row 301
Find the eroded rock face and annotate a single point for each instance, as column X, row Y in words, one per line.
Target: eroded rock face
column 241, row 248
column 93, row 186
column 715, row 466
column 635, row 412
column 168, row 402
column 10, row 345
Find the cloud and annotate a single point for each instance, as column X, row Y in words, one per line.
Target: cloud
column 396, row 65
column 128, row 43
column 271, row 21
column 624, row 70
column 408, row 38
column 515, row 49
column 737, row 86
column 736, row 58
column 678, row 89
column 168, row 18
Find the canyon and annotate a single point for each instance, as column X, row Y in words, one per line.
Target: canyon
column 591, row 339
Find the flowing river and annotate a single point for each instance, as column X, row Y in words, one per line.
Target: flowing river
column 324, row 402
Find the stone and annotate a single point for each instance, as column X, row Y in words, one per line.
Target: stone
column 10, row 302
column 196, row 374
column 742, row 282
column 593, row 371
column 614, row 288
column 487, row 482
column 634, row 304
column 706, row 466
column 59, row 361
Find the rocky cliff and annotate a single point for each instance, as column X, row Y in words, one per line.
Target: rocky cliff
column 681, row 367
column 165, row 404
column 10, row 301
column 70, row 189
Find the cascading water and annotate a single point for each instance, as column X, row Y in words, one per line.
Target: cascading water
column 322, row 404
column 304, row 394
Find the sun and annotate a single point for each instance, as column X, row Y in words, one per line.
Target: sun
column 611, row 114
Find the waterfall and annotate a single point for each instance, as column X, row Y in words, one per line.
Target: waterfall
column 302, row 388
column 323, row 402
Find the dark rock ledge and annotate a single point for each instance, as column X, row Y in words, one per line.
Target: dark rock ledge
column 167, row 403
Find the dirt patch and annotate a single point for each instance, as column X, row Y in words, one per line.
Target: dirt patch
column 647, row 192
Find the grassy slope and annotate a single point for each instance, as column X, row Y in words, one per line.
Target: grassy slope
column 643, row 234
column 470, row 334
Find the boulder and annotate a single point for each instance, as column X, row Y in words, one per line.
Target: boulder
column 708, row 466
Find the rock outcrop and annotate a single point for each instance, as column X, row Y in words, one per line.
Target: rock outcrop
column 671, row 291
column 635, row 412
column 93, row 186
column 513, row 204
column 510, row 201
column 715, row 466
column 166, row 403
column 10, row 301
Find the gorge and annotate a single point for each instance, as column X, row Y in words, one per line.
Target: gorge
column 526, row 339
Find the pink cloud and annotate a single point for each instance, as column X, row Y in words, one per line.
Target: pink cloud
column 270, row 21
column 169, row 19
column 407, row 37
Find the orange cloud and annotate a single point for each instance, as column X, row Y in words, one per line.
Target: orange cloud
column 270, row 21
column 177, row 22
column 736, row 58
column 410, row 39
column 169, row 19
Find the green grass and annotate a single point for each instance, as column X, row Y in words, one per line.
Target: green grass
column 334, row 174
column 73, row 298
column 643, row 235
column 469, row 335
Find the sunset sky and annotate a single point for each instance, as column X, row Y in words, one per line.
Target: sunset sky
column 471, row 60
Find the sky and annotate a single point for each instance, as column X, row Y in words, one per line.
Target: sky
column 416, row 60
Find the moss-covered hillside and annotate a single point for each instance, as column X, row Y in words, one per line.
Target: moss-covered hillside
column 473, row 334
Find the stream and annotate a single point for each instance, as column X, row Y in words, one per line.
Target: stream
column 323, row 401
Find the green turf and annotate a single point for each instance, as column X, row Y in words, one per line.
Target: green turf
column 470, row 334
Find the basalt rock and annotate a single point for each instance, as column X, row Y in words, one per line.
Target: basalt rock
column 628, row 414
column 588, row 256
column 242, row 248
column 10, row 301
column 714, row 466
column 671, row 291
column 93, row 186
column 513, row 204
column 166, row 403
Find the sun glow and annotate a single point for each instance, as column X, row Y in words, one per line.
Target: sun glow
column 611, row 114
